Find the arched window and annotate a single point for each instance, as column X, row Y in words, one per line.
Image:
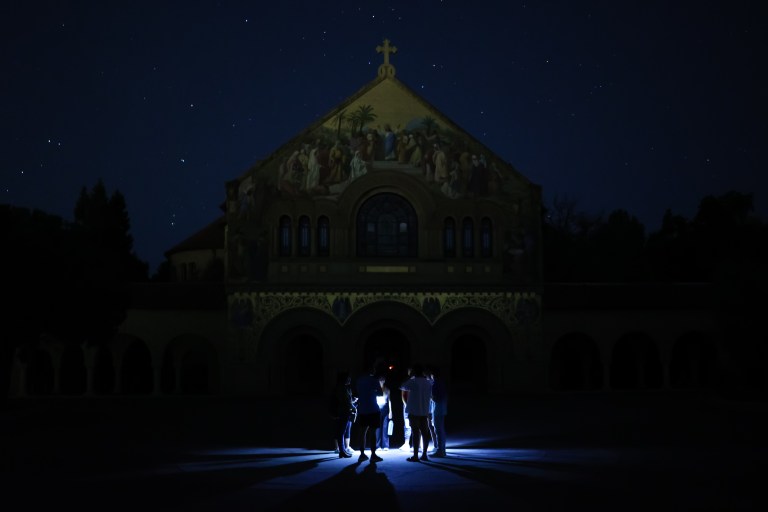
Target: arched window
column 486, row 237
column 303, row 235
column 449, row 238
column 285, row 236
column 323, row 236
column 387, row 227
column 468, row 238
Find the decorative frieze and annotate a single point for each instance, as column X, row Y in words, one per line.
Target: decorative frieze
column 250, row 312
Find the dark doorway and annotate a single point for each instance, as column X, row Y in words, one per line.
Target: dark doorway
column 469, row 368
column 575, row 364
column 73, row 373
column 391, row 346
column 694, row 363
column 304, row 369
column 137, row 377
column 104, row 372
column 635, row 364
column 40, row 373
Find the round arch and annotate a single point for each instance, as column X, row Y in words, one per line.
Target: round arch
column 298, row 346
column 694, row 362
column 363, row 334
column 104, row 371
column 575, row 363
column 386, row 226
column 635, row 363
column 136, row 377
column 473, row 343
column 190, row 366
column 410, row 188
column 73, row 375
column 40, row 372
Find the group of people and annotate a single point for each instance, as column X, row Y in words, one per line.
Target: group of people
column 369, row 407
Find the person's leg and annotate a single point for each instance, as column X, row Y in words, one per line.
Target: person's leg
column 432, row 433
column 440, row 431
column 347, row 435
column 363, row 438
column 375, row 420
column 416, row 435
column 339, row 438
column 407, row 434
column 425, row 434
column 385, row 433
column 341, row 428
column 372, row 440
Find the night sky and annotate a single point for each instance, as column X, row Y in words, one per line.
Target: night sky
column 618, row 104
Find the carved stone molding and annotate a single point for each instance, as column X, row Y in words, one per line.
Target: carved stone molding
column 250, row 312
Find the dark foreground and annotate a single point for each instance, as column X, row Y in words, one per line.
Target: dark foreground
column 567, row 452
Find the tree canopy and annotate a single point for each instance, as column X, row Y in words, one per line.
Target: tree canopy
column 67, row 280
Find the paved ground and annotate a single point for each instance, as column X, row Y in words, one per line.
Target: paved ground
column 566, row 452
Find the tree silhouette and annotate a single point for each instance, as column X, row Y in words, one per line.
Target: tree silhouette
column 618, row 249
column 361, row 117
column 37, row 240
column 340, row 118
column 429, row 124
column 76, row 274
column 105, row 222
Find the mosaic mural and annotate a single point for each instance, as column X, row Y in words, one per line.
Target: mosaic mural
column 385, row 127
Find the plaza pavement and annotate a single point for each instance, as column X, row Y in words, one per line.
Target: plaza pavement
column 579, row 451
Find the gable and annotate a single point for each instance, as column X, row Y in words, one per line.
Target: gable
column 423, row 142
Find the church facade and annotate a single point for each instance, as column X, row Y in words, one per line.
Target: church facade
column 381, row 231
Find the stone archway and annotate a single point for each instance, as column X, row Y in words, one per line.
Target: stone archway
column 694, row 362
column 575, row 364
column 136, row 377
column 473, row 351
column 390, row 346
column 189, row 366
column 73, row 376
column 469, row 365
column 303, row 345
column 635, row 363
column 391, row 329
column 304, row 369
column 40, row 373
column 104, row 371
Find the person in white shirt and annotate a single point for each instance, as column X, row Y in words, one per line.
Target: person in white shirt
column 417, row 392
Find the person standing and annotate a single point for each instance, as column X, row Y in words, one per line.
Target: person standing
column 428, row 373
column 389, row 143
column 440, row 399
column 407, row 445
column 385, row 410
column 369, row 414
column 441, row 164
column 419, row 391
column 357, row 167
column 344, row 411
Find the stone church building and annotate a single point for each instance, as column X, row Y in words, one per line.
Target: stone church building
column 383, row 230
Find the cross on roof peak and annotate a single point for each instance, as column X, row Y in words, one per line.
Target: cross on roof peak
column 386, row 69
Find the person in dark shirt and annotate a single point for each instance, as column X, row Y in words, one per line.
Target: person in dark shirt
column 369, row 414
